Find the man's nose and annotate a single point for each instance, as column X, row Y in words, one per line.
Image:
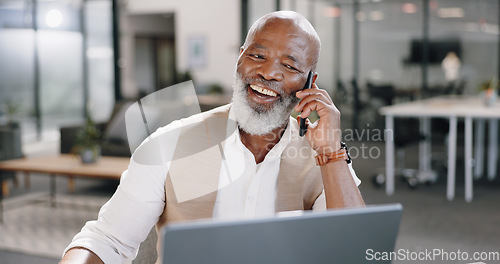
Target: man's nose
column 270, row 71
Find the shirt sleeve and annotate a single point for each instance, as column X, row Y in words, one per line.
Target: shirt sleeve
column 125, row 221
column 320, row 203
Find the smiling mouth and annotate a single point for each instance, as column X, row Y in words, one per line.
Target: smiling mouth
column 263, row 91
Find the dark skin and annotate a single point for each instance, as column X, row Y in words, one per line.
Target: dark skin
column 277, row 52
column 280, row 50
column 261, row 145
column 81, row 255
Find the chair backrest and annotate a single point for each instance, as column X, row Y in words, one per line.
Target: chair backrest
column 10, row 142
column 386, row 92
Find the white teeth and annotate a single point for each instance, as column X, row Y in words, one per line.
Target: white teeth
column 263, row 91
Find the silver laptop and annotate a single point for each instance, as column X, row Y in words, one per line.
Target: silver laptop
column 334, row 236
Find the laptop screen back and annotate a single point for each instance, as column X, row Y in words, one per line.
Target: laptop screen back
column 334, row 236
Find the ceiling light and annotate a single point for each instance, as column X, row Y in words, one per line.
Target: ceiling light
column 409, row 8
column 332, row 11
column 53, row 18
column 450, row 12
column 433, row 4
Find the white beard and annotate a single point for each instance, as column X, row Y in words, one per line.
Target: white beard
column 256, row 119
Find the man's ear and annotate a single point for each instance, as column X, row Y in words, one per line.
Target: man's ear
column 241, row 49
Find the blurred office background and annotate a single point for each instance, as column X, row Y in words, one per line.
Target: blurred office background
column 61, row 60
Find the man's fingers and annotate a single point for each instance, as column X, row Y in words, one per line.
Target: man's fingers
column 311, row 98
column 310, row 106
column 314, row 90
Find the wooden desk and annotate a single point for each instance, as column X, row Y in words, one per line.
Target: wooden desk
column 69, row 166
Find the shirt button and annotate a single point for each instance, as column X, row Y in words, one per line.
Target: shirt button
column 251, row 198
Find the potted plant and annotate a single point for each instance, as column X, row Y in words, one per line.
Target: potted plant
column 88, row 141
column 11, row 109
column 489, row 91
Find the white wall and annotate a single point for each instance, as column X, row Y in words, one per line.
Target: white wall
column 218, row 21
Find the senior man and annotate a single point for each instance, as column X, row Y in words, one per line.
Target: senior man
column 244, row 159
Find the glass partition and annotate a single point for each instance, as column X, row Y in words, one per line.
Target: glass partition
column 99, row 54
column 48, row 69
column 16, row 61
column 373, row 50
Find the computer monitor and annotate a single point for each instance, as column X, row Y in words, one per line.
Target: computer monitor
column 333, row 236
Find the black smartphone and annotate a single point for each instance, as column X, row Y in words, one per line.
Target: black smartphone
column 303, row 126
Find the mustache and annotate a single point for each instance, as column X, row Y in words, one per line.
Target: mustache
column 271, row 84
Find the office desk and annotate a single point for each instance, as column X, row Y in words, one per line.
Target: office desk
column 67, row 165
column 451, row 107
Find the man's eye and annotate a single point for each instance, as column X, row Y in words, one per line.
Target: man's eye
column 290, row 67
column 257, row 56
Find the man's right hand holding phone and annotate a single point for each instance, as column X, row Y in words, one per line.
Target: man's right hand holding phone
column 324, row 135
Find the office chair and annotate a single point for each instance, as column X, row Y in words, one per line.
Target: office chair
column 10, row 148
column 406, row 133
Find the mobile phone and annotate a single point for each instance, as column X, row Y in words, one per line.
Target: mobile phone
column 303, row 126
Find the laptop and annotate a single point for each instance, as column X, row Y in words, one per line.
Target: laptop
column 334, row 236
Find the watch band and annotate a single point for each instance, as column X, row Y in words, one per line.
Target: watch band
column 341, row 154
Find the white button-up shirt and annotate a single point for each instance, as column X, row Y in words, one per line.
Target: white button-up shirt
column 246, row 189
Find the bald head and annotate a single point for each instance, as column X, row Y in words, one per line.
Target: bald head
column 290, row 19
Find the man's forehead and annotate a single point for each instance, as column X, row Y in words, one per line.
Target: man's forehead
column 285, row 18
column 289, row 26
column 288, row 48
column 262, row 41
column 276, row 23
column 281, row 27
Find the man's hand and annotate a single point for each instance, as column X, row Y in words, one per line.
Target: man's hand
column 324, row 135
